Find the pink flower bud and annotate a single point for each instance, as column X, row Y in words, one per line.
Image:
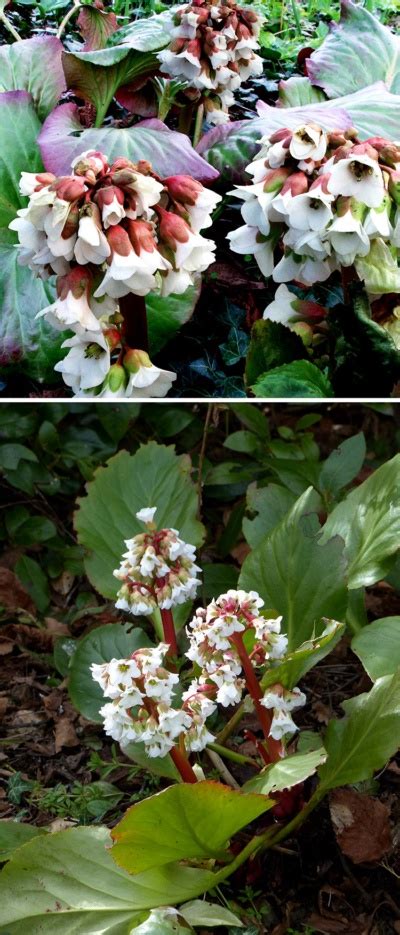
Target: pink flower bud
column 72, row 222
column 364, row 149
column 69, row 188
column 141, row 236
column 78, row 281
column 280, row 136
column 173, row 229
column 296, row 184
column 183, row 188
column 118, row 240
column 106, row 195
column 112, row 337
column 276, row 178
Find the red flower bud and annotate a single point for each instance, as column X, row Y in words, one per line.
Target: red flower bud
column 68, row 188
column 183, row 188
column 106, row 195
column 297, row 184
column 119, row 241
column 141, row 235
column 173, row 229
column 78, row 281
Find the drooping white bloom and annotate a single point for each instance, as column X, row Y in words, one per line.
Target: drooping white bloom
column 283, row 307
column 146, row 515
column 249, row 240
column 145, row 379
column 87, row 362
column 308, row 142
column 360, row 177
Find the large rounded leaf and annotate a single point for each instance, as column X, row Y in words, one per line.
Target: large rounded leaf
column 146, row 34
column 378, row 647
column 358, row 51
column 184, row 821
column 166, row 315
column 19, row 128
column 32, row 344
column 67, row 883
column 113, row 641
column 154, row 476
column 62, row 139
column 34, row 65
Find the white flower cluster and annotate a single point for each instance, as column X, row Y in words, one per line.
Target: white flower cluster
column 141, row 706
column 318, row 202
column 107, row 231
column 212, row 635
column 213, row 49
column 158, row 570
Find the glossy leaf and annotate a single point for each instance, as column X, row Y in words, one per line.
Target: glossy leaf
column 19, row 127
column 271, row 504
column 297, row 663
column 184, row 821
column 96, row 76
column 378, row 647
column 362, row 742
column 271, row 345
column 67, row 882
column 368, row 521
column 33, row 65
column 343, row 464
column 295, row 574
column 286, row 773
column 112, row 641
column 358, row 51
column 166, row 315
column 146, row 34
column 154, row 476
column 62, row 138
column 13, row 834
column 300, row 378
column 201, row 912
column 298, row 91
column 32, row 344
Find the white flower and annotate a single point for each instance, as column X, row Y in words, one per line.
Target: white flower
column 149, row 380
column 308, row 142
column 283, row 308
column 249, row 240
column 348, row 238
column 87, row 362
column 91, row 245
column 175, row 282
column 68, row 312
column 358, row 176
column 310, row 211
column 282, row 724
column 146, row 515
column 183, row 65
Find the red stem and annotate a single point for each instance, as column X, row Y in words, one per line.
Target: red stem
column 182, row 764
column 169, row 631
column 134, row 328
column 264, row 716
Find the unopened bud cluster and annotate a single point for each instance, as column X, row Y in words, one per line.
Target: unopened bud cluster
column 107, row 231
column 141, row 707
column 319, row 202
column 158, row 570
column 213, row 634
column 213, row 49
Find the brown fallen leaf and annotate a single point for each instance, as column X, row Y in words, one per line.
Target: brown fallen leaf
column 12, row 595
column 65, row 734
column 337, row 926
column 361, row 824
column 6, row 647
column 55, row 627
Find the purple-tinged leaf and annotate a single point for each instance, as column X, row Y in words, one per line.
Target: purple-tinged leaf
column 19, row 127
column 358, row 51
column 373, row 111
column 95, row 27
column 34, row 65
column 62, row 138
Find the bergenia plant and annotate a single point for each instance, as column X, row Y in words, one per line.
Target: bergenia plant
column 113, row 233
column 321, row 204
column 213, row 49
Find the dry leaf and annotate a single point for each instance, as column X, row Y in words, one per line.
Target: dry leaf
column 65, row 734
column 361, row 825
column 12, row 595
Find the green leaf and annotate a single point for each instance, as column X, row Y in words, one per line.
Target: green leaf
column 217, row 579
column 112, row 641
column 368, row 521
column 166, row 315
column 19, row 128
column 11, row 455
column 297, row 575
column 363, row 741
column 13, row 834
column 34, row 580
column 253, row 418
column 359, row 51
column 296, row 664
column 286, row 773
column 67, row 882
column 147, row 34
column 154, row 476
column 184, row 821
column 271, row 345
column 343, row 464
column 96, row 26
column 242, row 441
column 378, row 647
column 361, row 347
column 96, row 76
column 33, row 65
column 300, row 378
column 159, row 766
column 64, row 648
column 297, row 91
column 379, row 270
column 271, row 503
column 166, row 921
column 200, row 912
column 33, row 345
